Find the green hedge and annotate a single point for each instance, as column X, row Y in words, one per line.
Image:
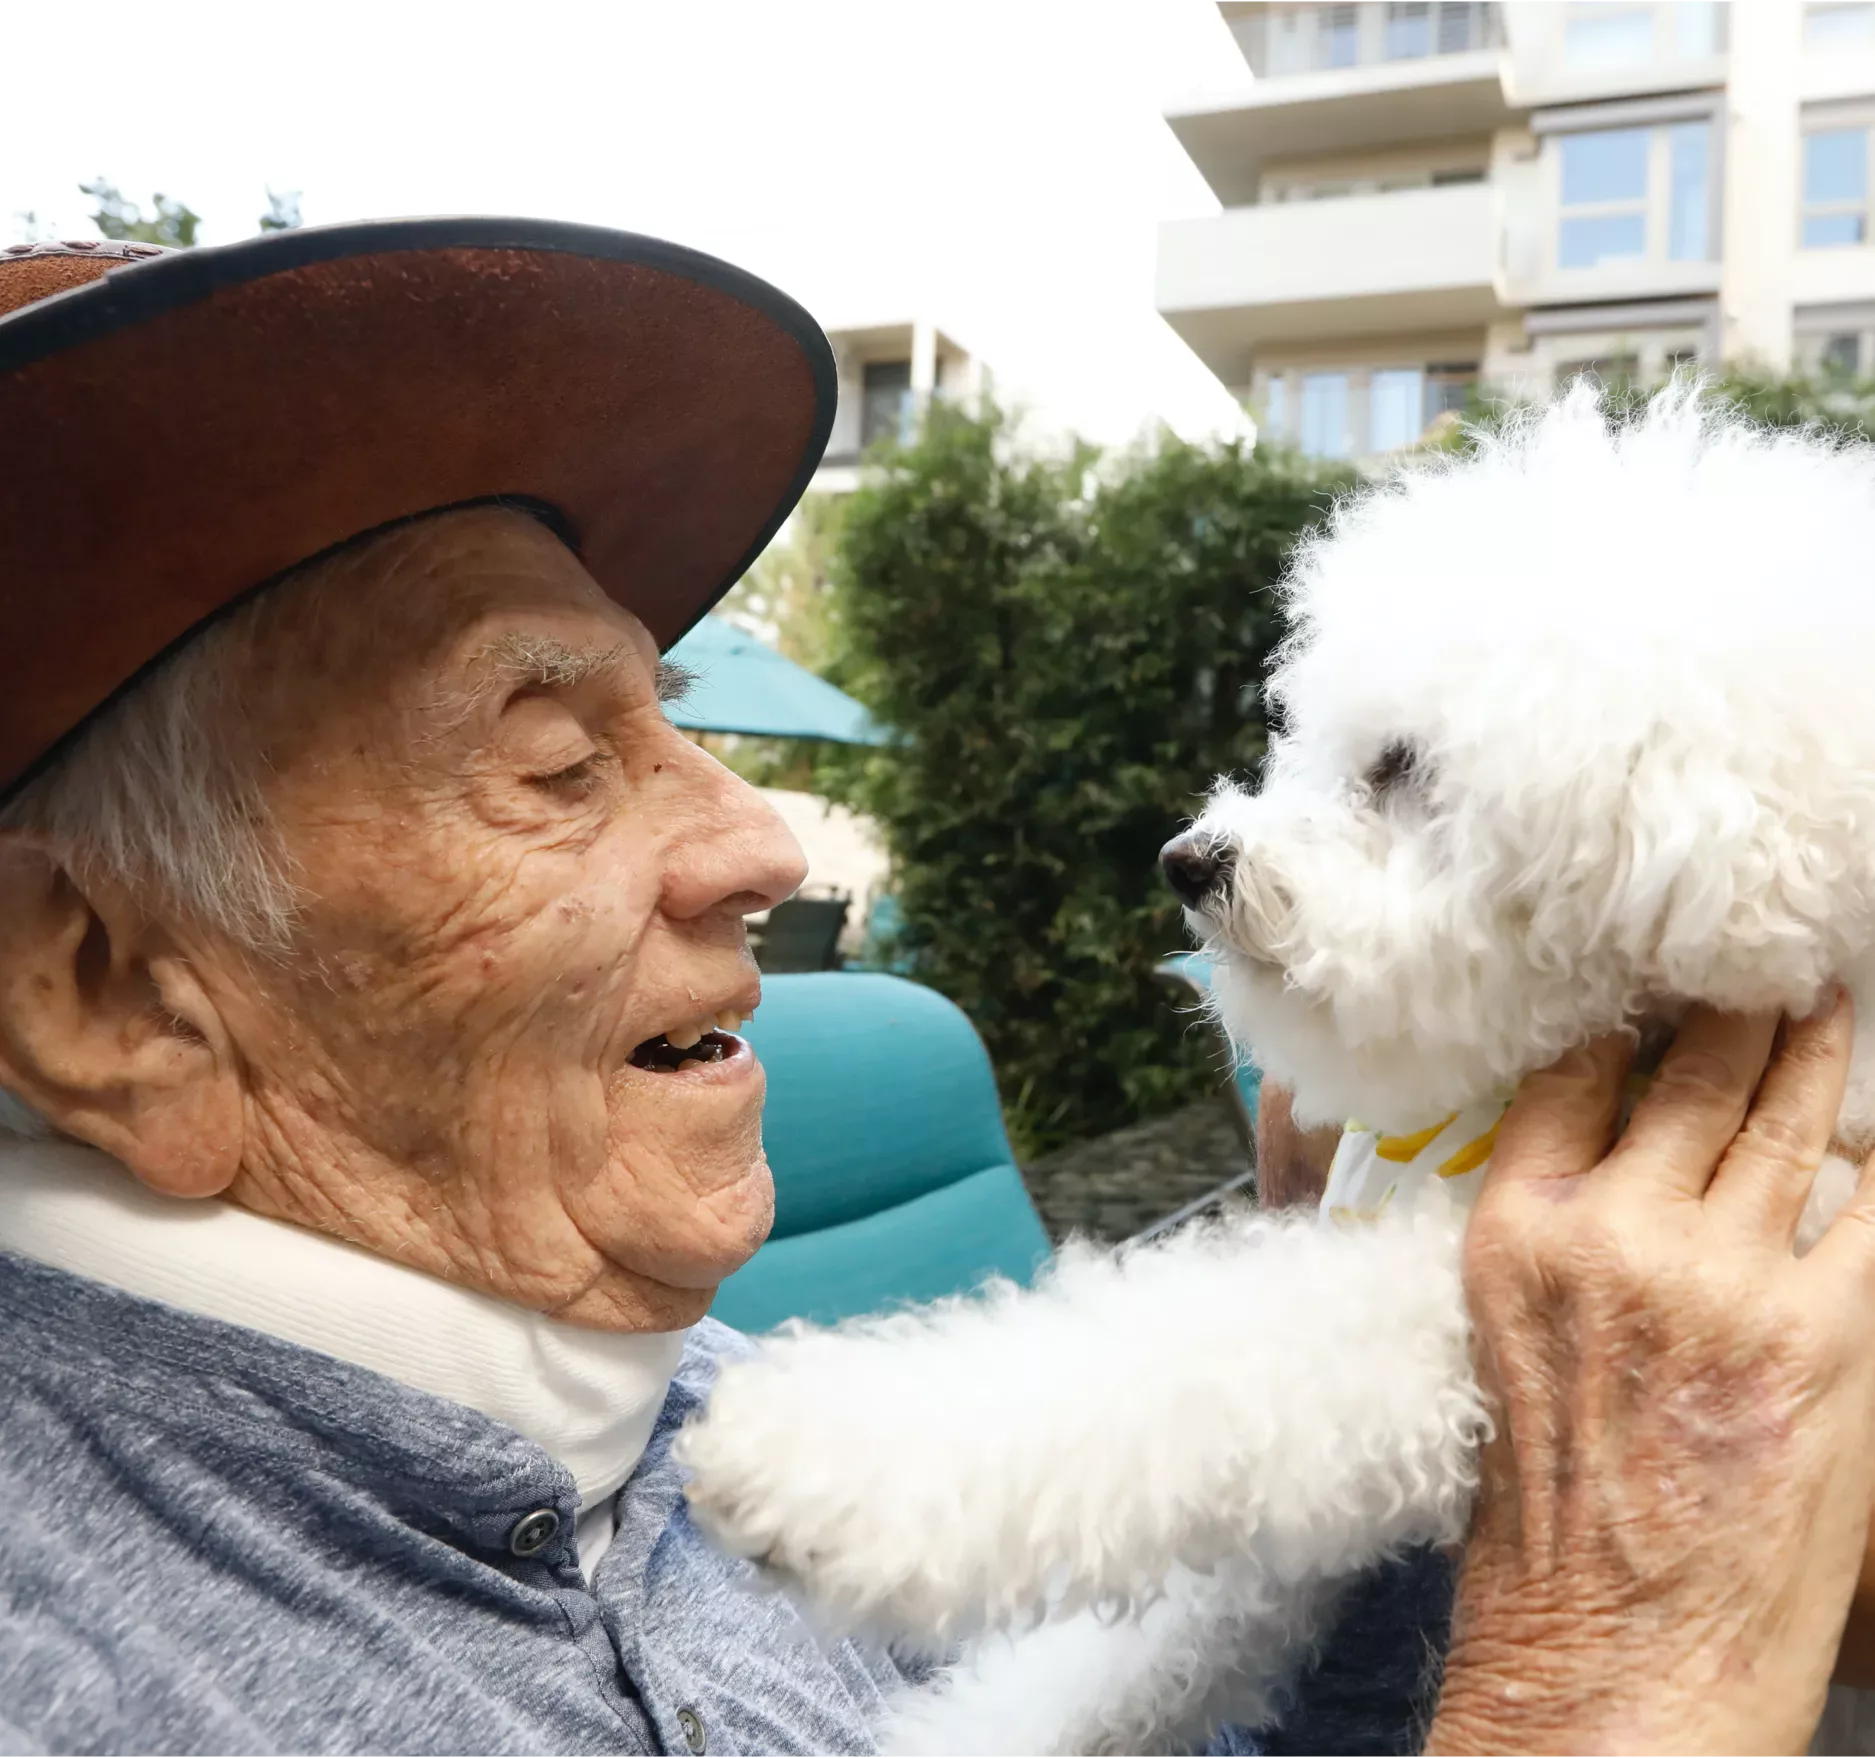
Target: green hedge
column 1072, row 655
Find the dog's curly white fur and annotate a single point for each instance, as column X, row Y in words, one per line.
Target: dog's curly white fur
column 1577, row 730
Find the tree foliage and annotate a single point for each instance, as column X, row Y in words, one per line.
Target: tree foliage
column 174, row 223
column 282, row 213
column 1838, row 402
column 1070, row 657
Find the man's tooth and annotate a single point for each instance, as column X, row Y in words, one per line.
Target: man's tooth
column 683, row 1037
column 729, row 1020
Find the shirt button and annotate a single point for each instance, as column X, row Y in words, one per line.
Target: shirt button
column 534, row 1532
column 692, row 1725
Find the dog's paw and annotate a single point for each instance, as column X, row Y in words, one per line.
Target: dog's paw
column 832, row 1501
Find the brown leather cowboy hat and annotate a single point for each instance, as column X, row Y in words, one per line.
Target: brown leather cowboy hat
column 177, row 428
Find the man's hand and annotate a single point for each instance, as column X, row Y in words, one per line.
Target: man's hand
column 1673, row 1514
column 1292, row 1163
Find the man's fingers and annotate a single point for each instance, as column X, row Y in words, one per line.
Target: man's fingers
column 1559, row 1124
column 1764, row 1177
column 1696, row 1103
column 1848, row 1248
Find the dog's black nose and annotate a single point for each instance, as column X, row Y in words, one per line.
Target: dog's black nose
column 1194, row 867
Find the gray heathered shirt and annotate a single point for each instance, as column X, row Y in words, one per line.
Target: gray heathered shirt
column 215, row 1541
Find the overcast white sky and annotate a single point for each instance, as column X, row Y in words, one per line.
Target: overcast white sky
column 999, row 165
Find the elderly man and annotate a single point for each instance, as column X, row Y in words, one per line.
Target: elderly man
column 371, row 962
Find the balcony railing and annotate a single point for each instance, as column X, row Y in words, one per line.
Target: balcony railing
column 1280, row 40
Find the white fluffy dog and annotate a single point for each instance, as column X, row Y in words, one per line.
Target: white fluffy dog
column 1577, row 730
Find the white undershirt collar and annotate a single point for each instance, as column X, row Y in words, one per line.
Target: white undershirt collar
column 588, row 1398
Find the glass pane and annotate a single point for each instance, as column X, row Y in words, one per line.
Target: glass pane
column 1324, row 415
column 1609, row 370
column 1275, row 407
column 1449, row 388
column 1835, row 165
column 1395, row 405
column 1409, row 29
column 1583, row 243
column 1696, row 27
column 1829, row 27
column 1689, row 218
column 1607, row 166
column 1340, row 40
column 885, row 401
column 1463, row 24
column 1842, row 353
column 1609, row 36
column 1820, row 231
column 1291, row 41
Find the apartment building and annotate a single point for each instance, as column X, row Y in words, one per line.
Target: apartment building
column 888, row 373
column 1421, row 196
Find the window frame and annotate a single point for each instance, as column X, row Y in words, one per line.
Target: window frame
column 1275, row 397
column 1814, row 327
column 1655, row 205
column 1676, row 31
column 1815, row 9
column 1310, row 375
column 1838, row 122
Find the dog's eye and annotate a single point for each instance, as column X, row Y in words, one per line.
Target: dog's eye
column 1395, row 764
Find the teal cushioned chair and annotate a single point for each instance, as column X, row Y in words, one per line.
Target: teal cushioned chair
column 894, row 1179
column 1191, row 971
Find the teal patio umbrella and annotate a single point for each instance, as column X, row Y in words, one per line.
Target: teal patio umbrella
column 744, row 687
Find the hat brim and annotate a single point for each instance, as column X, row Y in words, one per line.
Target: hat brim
column 184, row 429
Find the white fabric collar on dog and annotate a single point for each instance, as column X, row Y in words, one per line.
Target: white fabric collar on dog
column 1372, row 1170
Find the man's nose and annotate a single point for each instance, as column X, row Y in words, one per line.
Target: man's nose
column 1195, row 867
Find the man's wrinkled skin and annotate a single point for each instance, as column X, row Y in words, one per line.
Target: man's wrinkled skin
column 1677, row 1503
column 1650, row 1293
column 514, row 870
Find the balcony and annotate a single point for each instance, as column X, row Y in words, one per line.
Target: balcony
column 1423, row 259
column 1588, row 52
column 1345, row 110
column 1278, row 41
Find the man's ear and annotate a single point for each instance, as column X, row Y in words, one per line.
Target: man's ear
column 107, row 1031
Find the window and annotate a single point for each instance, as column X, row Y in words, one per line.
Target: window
column 1607, row 35
column 885, row 400
column 1409, row 29
column 1396, row 402
column 1463, row 27
column 1339, row 42
column 1604, row 197
column 1835, row 341
column 1611, row 370
column 1635, row 194
column 1449, row 388
column 1324, row 427
column 1689, row 209
column 1696, row 27
column 1835, row 187
column 1839, row 27
column 1276, row 406
column 1841, row 354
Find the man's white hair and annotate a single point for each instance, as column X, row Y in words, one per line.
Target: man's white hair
column 161, row 794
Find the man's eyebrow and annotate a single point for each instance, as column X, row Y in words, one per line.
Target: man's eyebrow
column 518, row 659
column 675, row 680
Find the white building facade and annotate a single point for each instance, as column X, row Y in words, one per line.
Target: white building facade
column 888, row 373
column 1421, row 197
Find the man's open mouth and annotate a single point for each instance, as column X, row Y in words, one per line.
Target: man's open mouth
column 672, row 1050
